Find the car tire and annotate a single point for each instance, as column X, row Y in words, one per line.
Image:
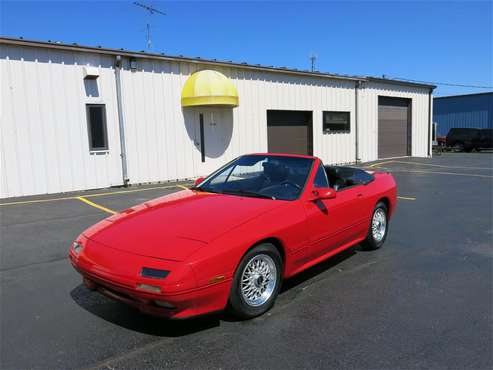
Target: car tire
column 254, row 289
column 458, row 147
column 378, row 229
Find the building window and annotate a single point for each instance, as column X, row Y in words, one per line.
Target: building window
column 336, row 122
column 96, row 127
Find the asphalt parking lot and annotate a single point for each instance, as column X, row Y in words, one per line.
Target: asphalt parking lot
column 425, row 300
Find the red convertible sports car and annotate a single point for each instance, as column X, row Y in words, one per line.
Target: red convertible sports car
column 231, row 240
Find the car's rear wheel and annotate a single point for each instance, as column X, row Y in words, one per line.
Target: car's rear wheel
column 379, row 226
column 256, row 282
column 459, row 147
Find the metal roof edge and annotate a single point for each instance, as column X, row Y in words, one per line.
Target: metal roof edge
column 400, row 82
column 141, row 54
column 463, row 95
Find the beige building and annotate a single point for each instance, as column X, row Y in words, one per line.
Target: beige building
column 77, row 118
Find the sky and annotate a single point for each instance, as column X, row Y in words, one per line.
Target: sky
column 435, row 41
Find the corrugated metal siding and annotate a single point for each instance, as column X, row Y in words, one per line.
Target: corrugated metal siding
column 44, row 143
column 368, row 117
column 473, row 111
column 155, row 120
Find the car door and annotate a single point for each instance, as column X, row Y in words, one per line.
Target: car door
column 331, row 222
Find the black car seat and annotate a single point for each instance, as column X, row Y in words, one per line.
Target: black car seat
column 336, row 181
column 339, row 184
column 331, row 175
column 346, row 173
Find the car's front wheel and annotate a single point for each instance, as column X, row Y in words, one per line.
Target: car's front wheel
column 379, row 226
column 256, row 282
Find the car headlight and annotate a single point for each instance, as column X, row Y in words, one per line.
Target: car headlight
column 77, row 247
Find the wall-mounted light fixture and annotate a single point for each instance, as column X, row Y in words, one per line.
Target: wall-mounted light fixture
column 91, row 73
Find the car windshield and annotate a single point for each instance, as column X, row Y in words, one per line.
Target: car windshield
column 261, row 176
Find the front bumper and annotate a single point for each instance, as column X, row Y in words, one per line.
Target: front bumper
column 187, row 299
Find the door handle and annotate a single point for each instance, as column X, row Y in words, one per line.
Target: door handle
column 360, row 195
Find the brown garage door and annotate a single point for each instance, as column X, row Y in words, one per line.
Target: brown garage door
column 289, row 131
column 394, row 127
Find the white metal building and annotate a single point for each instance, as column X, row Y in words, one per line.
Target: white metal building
column 78, row 118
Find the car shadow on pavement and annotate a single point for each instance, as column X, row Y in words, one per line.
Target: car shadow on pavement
column 130, row 318
column 125, row 316
column 315, row 273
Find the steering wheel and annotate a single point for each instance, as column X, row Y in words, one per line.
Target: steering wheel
column 293, row 184
column 285, row 182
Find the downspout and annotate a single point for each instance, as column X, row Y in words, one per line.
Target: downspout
column 357, row 85
column 121, row 121
column 429, row 122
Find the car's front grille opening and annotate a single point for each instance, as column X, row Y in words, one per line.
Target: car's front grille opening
column 118, row 294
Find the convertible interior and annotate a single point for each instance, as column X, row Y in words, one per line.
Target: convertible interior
column 341, row 177
column 282, row 179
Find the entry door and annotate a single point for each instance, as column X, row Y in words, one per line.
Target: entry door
column 213, row 133
column 289, row 131
column 394, row 127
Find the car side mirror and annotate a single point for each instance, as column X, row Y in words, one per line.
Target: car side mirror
column 323, row 193
column 198, row 181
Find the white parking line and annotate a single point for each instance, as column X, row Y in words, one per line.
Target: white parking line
column 406, row 198
column 442, row 166
column 441, row 173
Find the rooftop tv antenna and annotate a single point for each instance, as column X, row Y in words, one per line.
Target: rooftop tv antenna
column 313, row 59
column 151, row 11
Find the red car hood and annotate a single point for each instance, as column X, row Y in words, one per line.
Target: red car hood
column 175, row 226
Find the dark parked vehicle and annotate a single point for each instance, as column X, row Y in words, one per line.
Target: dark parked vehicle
column 467, row 139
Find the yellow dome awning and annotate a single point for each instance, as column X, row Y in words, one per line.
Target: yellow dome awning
column 209, row 87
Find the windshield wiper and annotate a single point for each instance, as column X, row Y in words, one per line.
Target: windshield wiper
column 198, row 188
column 248, row 193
